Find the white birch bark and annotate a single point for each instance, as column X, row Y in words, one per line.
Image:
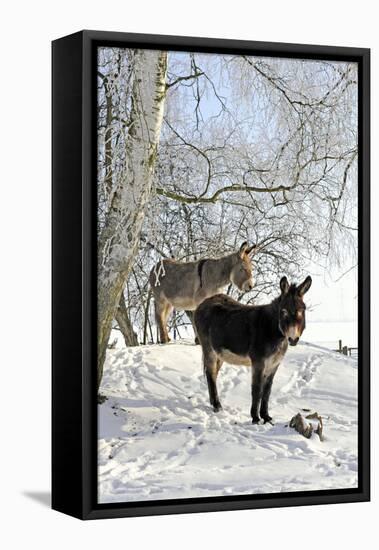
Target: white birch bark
column 119, row 238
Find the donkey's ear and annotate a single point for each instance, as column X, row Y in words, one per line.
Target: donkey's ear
column 251, row 249
column 284, row 285
column 305, row 286
column 243, row 248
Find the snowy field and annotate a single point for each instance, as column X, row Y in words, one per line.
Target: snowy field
column 159, row 438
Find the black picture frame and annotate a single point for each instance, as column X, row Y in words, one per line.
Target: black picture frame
column 74, row 419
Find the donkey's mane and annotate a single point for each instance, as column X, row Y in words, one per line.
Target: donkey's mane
column 292, row 290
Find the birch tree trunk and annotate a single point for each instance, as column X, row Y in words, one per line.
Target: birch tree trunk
column 124, row 323
column 118, row 242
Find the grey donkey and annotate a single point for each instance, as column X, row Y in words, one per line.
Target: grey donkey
column 185, row 285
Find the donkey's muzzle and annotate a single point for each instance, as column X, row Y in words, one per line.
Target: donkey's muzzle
column 293, row 341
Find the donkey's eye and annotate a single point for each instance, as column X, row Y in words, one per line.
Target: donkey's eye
column 299, row 314
column 284, row 313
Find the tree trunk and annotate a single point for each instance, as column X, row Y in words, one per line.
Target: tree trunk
column 124, row 323
column 108, row 141
column 118, row 242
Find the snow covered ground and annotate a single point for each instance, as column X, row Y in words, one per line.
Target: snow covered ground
column 159, row 438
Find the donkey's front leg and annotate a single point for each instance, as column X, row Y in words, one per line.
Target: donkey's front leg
column 256, row 390
column 267, row 385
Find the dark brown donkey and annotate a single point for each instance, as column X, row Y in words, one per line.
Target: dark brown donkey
column 255, row 336
column 184, row 285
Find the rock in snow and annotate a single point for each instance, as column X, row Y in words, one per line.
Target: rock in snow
column 160, row 439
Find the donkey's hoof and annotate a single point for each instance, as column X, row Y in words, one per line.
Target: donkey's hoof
column 267, row 420
column 217, row 407
column 255, row 420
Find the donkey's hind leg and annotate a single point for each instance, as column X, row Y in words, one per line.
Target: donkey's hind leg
column 162, row 312
column 211, row 367
column 190, row 316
